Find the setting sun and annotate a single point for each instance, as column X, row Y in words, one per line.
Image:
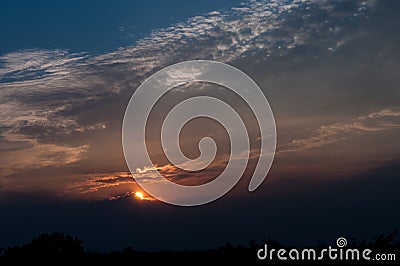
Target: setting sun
column 139, row 195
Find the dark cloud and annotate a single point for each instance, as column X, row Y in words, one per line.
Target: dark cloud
column 116, row 179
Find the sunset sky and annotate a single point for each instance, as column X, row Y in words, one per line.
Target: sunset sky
column 330, row 71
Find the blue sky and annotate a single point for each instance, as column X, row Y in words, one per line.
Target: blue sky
column 91, row 26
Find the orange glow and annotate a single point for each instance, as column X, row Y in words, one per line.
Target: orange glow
column 139, row 195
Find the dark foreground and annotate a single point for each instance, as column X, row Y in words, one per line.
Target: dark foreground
column 58, row 247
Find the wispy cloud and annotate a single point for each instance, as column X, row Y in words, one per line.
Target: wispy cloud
column 35, row 155
column 94, row 182
column 385, row 119
column 177, row 175
column 42, row 92
column 106, row 186
column 37, row 64
column 97, row 185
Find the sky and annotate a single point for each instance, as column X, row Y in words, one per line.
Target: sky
column 329, row 70
column 92, row 26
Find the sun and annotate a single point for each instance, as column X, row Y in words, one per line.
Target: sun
column 139, row 195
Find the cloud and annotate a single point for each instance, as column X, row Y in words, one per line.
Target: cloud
column 105, row 186
column 385, row 119
column 94, row 182
column 32, row 155
column 58, row 79
column 177, row 175
column 268, row 28
column 99, row 185
column 49, row 99
column 37, row 64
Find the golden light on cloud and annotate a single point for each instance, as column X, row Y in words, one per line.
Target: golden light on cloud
column 139, row 195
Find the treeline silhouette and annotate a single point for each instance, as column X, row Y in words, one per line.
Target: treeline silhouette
column 60, row 245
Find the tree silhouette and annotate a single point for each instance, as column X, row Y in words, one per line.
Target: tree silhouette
column 55, row 244
column 61, row 245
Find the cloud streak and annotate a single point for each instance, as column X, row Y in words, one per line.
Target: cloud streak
column 385, row 119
